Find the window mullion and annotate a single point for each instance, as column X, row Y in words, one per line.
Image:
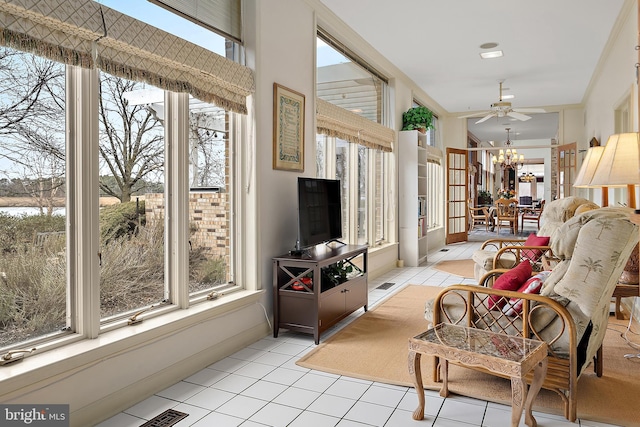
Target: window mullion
column 83, row 230
column 177, row 197
column 353, row 193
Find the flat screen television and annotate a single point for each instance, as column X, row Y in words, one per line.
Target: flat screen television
column 319, row 211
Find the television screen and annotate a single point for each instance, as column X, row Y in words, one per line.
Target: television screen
column 319, row 211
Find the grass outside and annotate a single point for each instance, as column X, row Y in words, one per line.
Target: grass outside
column 33, row 277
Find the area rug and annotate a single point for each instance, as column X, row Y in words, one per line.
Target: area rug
column 374, row 347
column 457, row 267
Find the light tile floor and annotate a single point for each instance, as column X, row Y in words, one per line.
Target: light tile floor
column 261, row 385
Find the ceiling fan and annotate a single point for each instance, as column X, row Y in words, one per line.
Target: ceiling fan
column 503, row 108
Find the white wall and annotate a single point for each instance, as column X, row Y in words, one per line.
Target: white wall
column 283, row 48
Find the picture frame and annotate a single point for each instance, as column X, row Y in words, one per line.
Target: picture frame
column 288, row 129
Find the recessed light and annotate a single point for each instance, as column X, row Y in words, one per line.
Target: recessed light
column 492, row 54
column 490, row 45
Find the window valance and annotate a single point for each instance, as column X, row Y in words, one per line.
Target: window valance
column 87, row 34
column 336, row 121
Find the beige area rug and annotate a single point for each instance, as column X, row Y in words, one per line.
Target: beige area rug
column 457, row 267
column 375, row 346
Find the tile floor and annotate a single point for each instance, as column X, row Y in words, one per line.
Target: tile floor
column 261, row 385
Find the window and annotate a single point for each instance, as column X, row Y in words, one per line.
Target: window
column 33, row 279
column 210, row 198
column 131, row 163
column 435, row 187
column 342, row 173
column 126, row 199
column 344, row 80
column 432, row 133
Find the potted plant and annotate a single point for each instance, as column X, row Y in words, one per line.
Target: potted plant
column 419, row 118
column 335, row 274
column 484, row 197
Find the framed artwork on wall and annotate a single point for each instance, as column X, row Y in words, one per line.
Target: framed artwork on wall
column 288, row 129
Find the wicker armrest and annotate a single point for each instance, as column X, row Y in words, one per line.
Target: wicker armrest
column 499, row 243
column 540, row 256
column 534, row 317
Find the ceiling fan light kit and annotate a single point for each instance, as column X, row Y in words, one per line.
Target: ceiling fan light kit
column 503, row 108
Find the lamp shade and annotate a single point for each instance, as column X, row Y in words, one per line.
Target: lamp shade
column 588, row 168
column 618, row 166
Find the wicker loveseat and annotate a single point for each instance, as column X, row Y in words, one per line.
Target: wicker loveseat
column 506, row 253
column 572, row 310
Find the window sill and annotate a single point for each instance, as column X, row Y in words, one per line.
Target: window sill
column 77, row 353
column 381, row 247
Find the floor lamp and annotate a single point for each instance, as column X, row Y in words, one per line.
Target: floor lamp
column 618, row 167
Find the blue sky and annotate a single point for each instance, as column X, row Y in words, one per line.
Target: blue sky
column 154, row 15
column 167, row 21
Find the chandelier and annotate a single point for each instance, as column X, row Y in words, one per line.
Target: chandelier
column 528, row 177
column 508, row 158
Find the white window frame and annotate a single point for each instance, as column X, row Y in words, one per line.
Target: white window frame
column 83, row 233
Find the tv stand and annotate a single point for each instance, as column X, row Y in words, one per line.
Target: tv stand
column 307, row 299
column 299, row 252
column 336, row 241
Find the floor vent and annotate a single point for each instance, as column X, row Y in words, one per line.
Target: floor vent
column 166, row 419
column 444, row 250
column 385, row 286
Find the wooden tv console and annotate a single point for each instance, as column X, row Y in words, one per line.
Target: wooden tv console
column 314, row 307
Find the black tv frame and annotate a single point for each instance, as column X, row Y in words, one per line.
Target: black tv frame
column 319, row 212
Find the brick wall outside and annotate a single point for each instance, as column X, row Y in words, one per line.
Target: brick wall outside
column 208, row 220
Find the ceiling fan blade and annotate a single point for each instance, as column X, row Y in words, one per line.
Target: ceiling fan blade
column 479, row 114
column 529, row 110
column 485, row 118
column 518, row 116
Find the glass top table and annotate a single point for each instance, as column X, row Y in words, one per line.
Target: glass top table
column 496, row 353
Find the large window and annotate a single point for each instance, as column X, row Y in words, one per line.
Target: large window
column 33, row 285
column 435, row 186
column 347, row 82
column 131, row 161
column 93, row 211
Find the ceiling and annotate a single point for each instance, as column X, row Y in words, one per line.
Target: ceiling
column 551, row 49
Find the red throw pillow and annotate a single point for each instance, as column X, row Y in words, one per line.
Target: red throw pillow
column 510, row 280
column 533, row 240
column 531, row 286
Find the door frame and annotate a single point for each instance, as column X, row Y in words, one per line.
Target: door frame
column 457, row 194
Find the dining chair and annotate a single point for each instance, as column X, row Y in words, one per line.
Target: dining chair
column 478, row 216
column 507, row 212
column 532, row 214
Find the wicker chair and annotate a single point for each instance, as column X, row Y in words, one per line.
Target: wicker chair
column 506, row 253
column 572, row 310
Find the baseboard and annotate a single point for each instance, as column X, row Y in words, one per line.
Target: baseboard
column 115, row 403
